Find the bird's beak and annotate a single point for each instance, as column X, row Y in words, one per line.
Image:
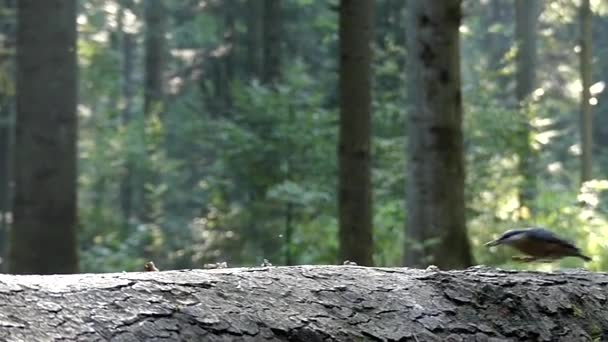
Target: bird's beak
column 492, row 243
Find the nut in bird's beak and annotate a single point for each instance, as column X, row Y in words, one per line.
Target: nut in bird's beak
column 492, row 243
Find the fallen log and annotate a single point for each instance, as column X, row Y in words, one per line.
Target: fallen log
column 307, row 303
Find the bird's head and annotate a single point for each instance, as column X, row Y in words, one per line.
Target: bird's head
column 509, row 237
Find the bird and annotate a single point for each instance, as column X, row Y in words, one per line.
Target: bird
column 150, row 267
column 539, row 244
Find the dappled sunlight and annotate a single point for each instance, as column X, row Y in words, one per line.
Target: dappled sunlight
column 208, row 135
column 597, row 88
column 580, row 220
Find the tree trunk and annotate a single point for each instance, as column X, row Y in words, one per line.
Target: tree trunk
column 128, row 186
column 497, row 42
column 155, row 56
column 224, row 62
column 254, row 38
column 7, row 119
column 436, row 230
column 272, row 42
column 526, row 18
column 154, row 104
column 585, row 67
column 354, row 184
column 43, row 238
column 307, row 303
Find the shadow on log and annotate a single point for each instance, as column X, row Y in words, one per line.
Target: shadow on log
column 307, row 303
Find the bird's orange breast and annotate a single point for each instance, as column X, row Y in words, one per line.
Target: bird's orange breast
column 539, row 249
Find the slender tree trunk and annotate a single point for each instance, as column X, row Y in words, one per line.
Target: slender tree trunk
column 288, row 234
column 436, row 231
column 224, row 63
column 43, row 238
column 7, row 128
column 272, row 42
column 155, row 56
column 526, row 17
column 6, row 133
column 585, row 69
column 289, row 205
column 496, row 42
column 354, row 152
column 155, row 49
column 271, row 74
column 100, row 185
column 254, row 38
column 229, row 39
column 128, row 186
column 600, row 70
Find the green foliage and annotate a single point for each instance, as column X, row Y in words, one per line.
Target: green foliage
column 256, row 178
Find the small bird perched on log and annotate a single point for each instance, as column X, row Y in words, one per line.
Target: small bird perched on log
column 538, row 244
column 150, row 267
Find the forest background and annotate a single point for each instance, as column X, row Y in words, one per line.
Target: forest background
column 208, row 130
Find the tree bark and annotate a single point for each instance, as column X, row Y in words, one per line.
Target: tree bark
column 585, row 69
column 128, row 183
column 272, row 42
column 254, row 38
column 307, row 303
column 526, row 18
column 497, row 42
column 43, row 238
column 7, row 119
column 354, row 151
column 224, row 64
column 155, row 56
column 154, row 95
column 130, row 192
column 435, row 231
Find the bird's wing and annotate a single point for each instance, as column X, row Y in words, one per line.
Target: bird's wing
column 548, row 236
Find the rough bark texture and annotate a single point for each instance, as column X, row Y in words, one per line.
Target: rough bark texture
column 272, row 41
column 526, row 18
column 354, row 153
column 43, row 238
column 435, row 230
column 307, row 303
column 585, row 67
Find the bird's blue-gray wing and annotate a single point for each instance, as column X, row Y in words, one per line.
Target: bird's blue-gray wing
column 548, row 236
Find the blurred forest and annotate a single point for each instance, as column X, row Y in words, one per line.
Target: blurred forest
column 207, row 130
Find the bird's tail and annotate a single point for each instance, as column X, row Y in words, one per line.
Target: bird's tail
column 584, row 257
